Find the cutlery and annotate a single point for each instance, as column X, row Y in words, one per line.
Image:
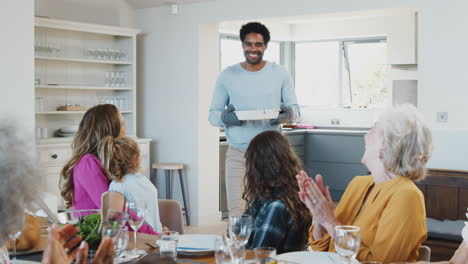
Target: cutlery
column 151, row 246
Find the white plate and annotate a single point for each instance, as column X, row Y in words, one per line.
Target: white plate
column 307, row 257
column 257, row 114
column 196, row 244
column 20, row 261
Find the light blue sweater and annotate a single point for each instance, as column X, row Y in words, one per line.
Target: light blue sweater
column 267, row 88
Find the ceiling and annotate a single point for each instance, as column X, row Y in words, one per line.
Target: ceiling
column 156, row 3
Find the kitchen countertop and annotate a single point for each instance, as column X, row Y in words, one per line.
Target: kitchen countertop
column 318, row 130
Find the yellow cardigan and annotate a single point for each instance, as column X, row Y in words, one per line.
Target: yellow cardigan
column 392, row 221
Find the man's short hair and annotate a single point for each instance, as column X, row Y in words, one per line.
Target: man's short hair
column 255, row 27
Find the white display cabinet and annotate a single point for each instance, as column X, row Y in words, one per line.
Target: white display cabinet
column 78, row 64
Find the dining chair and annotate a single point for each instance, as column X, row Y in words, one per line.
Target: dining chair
column 424, row 253
column 170, row 214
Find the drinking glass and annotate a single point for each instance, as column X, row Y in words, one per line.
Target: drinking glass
column 121, row 242
column 222, row 250
column 168, row 244
column 265, row 255
column 111, row 229
column 136, row 216
column 13, row 236
column 116, row 216
column 347, row 241
column 240, row 228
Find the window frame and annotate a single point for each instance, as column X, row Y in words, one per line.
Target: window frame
column 343, row 60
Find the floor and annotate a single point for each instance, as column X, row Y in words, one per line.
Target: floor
column 218, row 228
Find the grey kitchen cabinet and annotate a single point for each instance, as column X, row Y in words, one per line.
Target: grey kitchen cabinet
column 337, row 157
column 297, row 142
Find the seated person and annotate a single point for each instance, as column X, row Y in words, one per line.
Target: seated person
column 121, row 160
column 279, row 217
column 386, row 205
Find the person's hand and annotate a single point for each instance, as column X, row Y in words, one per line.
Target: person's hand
column 461, row 255
column 320, row 206
column 60, row 242
column 105, row 253
column 229, row 118
column 285, row 116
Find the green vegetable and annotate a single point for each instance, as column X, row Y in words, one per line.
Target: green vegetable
column 89, row 230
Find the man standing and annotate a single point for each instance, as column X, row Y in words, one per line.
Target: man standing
column 254, row 84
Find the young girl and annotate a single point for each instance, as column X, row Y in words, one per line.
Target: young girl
column 120, row 159
column 271, row 192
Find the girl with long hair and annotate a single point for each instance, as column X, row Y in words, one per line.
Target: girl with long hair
column 271, row 192
column 82, row 179
column 121, row 160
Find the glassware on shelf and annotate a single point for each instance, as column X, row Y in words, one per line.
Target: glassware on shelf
column 39, row 104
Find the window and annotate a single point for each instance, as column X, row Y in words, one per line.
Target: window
column 231, row 51
column 341, row 73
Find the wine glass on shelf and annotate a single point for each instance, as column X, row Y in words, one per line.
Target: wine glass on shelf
column 347, row 242
column 13, row 236
column 136, row 216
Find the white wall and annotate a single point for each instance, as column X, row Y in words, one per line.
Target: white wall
column 17, row 63
column 171, row 83
column 107, row 12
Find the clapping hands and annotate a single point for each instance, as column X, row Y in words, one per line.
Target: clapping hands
column 318, row 200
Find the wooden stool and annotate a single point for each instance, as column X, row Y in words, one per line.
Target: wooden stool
column 168, row 170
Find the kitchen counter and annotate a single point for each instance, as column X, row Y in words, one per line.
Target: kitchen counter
column 319, row 130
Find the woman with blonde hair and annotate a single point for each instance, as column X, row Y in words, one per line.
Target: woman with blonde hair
column 83, row 179
column 121, row 160
column 386, row 205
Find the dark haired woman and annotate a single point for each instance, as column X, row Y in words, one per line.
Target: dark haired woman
column 271, row 192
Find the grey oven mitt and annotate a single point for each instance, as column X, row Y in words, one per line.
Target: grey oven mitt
column 229, row 118
column 285, row 116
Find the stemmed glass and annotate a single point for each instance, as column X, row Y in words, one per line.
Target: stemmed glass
column 13, row 236
column 136, row 216
column 347, row 242
column 239, row 229
column 222, row 249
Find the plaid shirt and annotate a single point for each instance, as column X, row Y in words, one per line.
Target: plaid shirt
column 273, row 227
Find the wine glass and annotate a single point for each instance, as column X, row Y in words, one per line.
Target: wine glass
column 13, row 236
column 222, row 250
column 239, row 229
column 136, row 216
column 347, row 242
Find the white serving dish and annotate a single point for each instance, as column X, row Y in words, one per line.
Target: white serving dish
column 257, row 114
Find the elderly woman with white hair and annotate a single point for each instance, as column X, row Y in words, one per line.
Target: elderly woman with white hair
column 19, row 186
column 386, row 205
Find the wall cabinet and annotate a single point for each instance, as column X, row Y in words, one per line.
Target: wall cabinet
column 402, row 40
column 78, row 66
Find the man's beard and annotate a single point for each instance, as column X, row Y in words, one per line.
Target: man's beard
column 253, row 61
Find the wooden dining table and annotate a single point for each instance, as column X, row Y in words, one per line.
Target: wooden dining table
column 142, row 243
column 143, row 239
